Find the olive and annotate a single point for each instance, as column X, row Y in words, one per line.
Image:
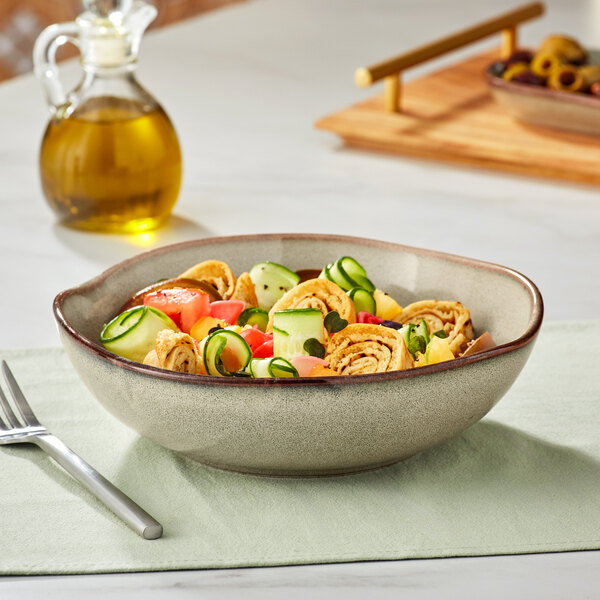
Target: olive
column 392, row 324
column 520, row 56
column 306, row 274
column 529, row 78
column 579, row 62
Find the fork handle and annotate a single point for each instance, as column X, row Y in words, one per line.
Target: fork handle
column 123, row 506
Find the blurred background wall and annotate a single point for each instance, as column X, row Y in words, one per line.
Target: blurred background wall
column 22, row 20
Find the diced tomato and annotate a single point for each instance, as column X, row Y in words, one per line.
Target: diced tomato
column 304, row 364
column 184, row 306
column 255, row 337
column 365, row 317
column 264, row 350
column 227, row 310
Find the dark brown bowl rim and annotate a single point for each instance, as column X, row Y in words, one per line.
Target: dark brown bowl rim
column 524, row 89
column 527, row 337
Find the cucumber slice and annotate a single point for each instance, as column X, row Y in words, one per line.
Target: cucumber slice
column 363, row 300
column 364, row 282
column 271, row 281
column 414, row 338
column 291, row 328
column 258, row 367
column 354, row 271
column 407, row 332
column 225, row 353
column 132, row 334
column 280, row 367
column 348, row 273
column 325, row 273
column 272, row 367
column 254, row 316
column 338, row 275
column 422, row 329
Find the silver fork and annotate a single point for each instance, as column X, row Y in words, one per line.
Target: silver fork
column 27, row 429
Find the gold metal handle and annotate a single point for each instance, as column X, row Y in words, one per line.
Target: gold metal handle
column 391, row 70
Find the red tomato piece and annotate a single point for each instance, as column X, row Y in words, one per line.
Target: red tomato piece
column 365, row 317
column 227, row 310
column 264, row 350
column 255, row 337
column 184, row 306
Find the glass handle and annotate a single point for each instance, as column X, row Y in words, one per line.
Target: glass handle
column 44, row 60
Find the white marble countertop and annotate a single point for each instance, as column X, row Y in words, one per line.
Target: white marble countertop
column 244, row 87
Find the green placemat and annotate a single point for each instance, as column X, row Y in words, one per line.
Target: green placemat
column 525, row 479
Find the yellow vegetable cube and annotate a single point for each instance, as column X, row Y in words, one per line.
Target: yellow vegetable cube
column 438, row 350
column 387, row 308
column 420, row 359
column 203, row 325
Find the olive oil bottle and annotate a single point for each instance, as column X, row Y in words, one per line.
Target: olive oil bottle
column 110, row 158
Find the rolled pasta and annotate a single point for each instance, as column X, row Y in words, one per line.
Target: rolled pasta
column 215, row 272
column 451, row 317
column 321, row 294
column 174, row 351
column 364, row 348
column 244, row 290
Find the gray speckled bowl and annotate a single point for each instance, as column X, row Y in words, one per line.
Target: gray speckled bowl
column 307, row 426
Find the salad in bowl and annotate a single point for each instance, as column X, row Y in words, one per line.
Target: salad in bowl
column 272, row 321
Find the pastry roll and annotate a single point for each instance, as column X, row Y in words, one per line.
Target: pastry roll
column 322, row 294
column 244, row 290
column 174, row 351
column 215, row 272
column 451, row 317
column 363, row 348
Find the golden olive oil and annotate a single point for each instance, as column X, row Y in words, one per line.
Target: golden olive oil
column 111, row 165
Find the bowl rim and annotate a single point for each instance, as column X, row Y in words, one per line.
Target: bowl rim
column 531, row 331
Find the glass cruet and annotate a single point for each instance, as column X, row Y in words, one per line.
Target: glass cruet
column 110, row 158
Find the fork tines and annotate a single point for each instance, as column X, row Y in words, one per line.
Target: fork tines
column 27, row 418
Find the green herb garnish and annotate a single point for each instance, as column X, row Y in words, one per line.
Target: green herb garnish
column 314, row 347
column 334, row 323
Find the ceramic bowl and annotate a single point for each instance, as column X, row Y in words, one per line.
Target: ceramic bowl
column 575, row 112
column 307, row 426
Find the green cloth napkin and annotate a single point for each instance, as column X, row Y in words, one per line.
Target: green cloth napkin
column 525, row 479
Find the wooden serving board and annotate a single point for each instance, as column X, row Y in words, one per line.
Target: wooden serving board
column 451, row 116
